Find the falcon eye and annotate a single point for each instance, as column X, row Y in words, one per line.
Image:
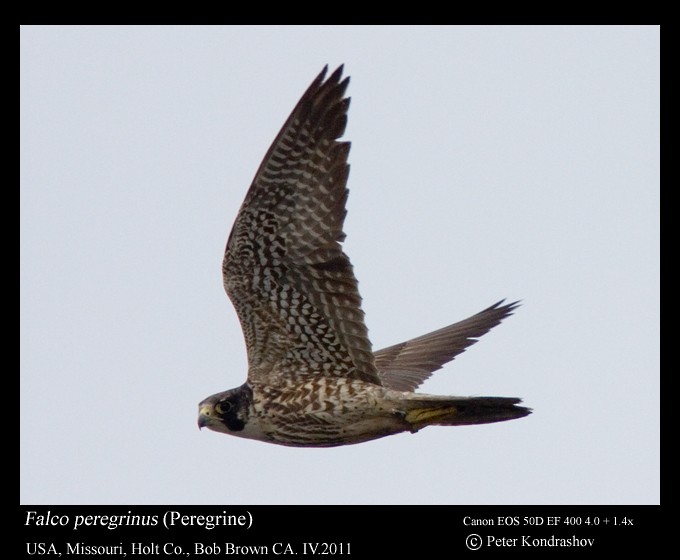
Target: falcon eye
column 224, row 406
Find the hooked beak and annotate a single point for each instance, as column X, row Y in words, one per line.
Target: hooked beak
column 203, row 417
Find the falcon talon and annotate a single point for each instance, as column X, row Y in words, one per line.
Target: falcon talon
column 313, row 377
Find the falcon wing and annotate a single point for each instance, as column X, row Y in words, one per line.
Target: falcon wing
column 284, row 270
column 406, row 365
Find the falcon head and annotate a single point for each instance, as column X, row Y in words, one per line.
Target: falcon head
column 226, row 412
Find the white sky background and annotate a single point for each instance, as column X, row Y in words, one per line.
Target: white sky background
column 487, row 163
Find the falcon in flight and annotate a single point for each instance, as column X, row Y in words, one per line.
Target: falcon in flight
column 313, row 378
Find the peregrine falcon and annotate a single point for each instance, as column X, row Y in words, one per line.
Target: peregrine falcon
column 313, row 378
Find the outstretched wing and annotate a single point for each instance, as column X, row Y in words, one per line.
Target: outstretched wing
column 406, row 365
column 284, row 270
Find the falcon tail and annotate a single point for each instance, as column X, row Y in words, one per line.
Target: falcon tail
column 457, row 411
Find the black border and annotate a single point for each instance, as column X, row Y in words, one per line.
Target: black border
column 306, row 531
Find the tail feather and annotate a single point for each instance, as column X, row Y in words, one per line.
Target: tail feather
column 456, row 411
